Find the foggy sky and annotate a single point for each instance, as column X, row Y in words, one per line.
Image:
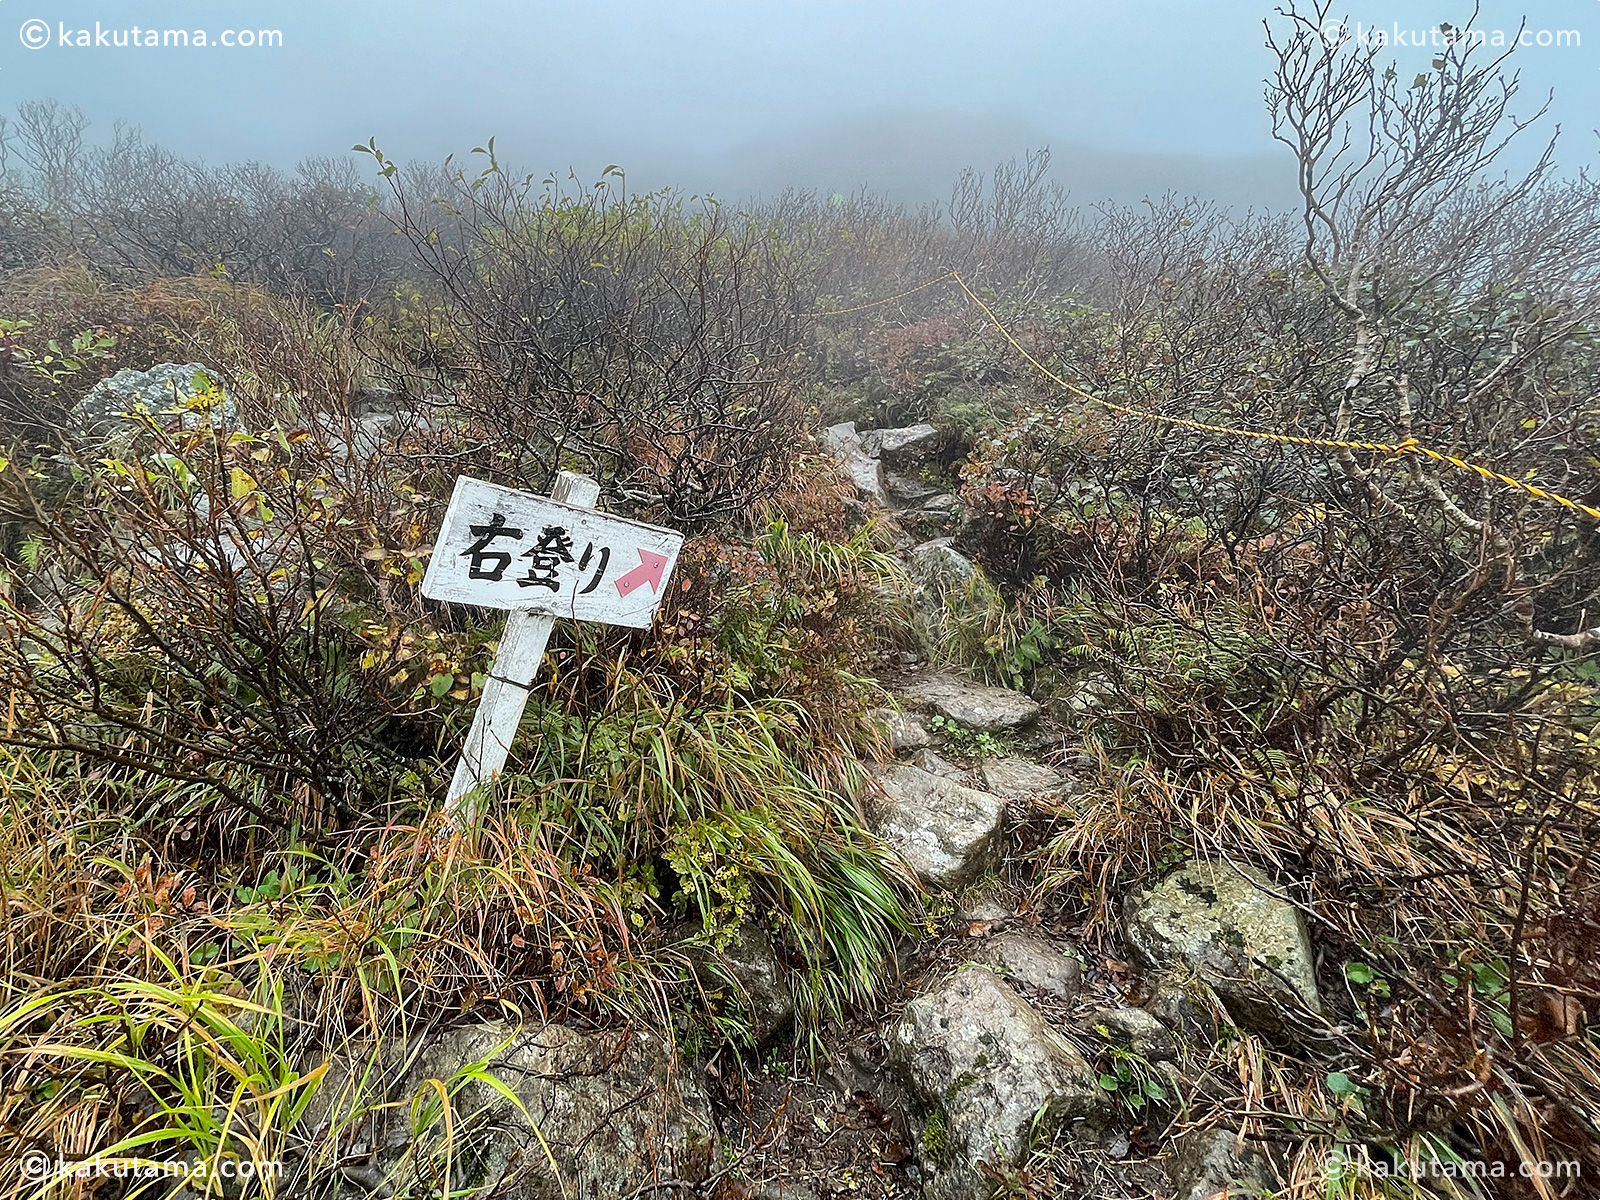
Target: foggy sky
column 739, row 96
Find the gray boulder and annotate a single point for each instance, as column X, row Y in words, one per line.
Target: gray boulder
column 905, row 733
column 943, row 581
column 943, row 505
column 785, row 1189
column 1249, row 946
column 937, row 764
column 163, row 390
column 948, row 833
column 1137, row 1030
column 1019, row 779
column 365, row 435
column 607, row 1113
column 975, row 705
column 986, row 1071
column 1087, row 695
column 984, row 905
column 1024, row 958
column 1209, row 1163
column 901, row 446
column 864, row 471
column 940, row 569
column 760, row 981
column 909, row 492
column 1187, row 1005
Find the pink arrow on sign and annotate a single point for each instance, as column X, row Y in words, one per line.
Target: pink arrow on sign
column 650, row 569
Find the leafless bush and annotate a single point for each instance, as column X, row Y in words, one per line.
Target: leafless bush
column 136, row 211
column 650, row 340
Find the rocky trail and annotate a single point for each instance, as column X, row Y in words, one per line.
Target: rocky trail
column 1012, row 1059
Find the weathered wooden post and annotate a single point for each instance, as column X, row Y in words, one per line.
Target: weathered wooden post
column 580, row 564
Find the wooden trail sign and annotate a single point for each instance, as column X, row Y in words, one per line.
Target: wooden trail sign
column 542, row 557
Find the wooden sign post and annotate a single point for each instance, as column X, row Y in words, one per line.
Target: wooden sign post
column 541, row 558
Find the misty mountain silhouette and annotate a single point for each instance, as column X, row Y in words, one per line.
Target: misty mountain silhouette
column 915, row 157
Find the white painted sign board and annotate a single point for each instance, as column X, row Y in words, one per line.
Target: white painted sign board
column 501, row 548
column 542, row 557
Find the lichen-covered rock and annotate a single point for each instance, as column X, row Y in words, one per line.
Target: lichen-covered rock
column 941, row 571
column 1019, row 779
column 607, row 1113
column 975, row 705
column 900, row 446
column 946, row 832
column 165, row 389
column 1249, row 946
column 986, row 1071
column 943, row 581
column 1024, row 958
column 936, row 511
column 865, row 471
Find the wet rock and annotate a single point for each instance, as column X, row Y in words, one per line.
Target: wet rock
column 934, row 514
column 1084, row 696
column 760, row 989
column 1042, row 488
column 986, row 1071
column 1209, row 1163
column 364, row 436
column 1186, row 1005
column 865, row 472
column 607, row 1113
column 948, row 833
column 165, row 389
column 907, row 491
column 941, row 570
column 1019, row 779
column 1249, row 946
column 975, row 705
column 1138, row 1030
column 373, row 399
column 901, row 446
column 786, row 1189
column 984, row 909
column 1024, row 958
column 943, row 580
column 937, row 764
column 905, row 732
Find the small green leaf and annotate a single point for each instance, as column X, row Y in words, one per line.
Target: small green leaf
column 1341, row 1084
column 1359, row 973
column 1109, row 1082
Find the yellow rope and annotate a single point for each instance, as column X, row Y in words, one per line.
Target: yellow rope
column 1400, row 449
